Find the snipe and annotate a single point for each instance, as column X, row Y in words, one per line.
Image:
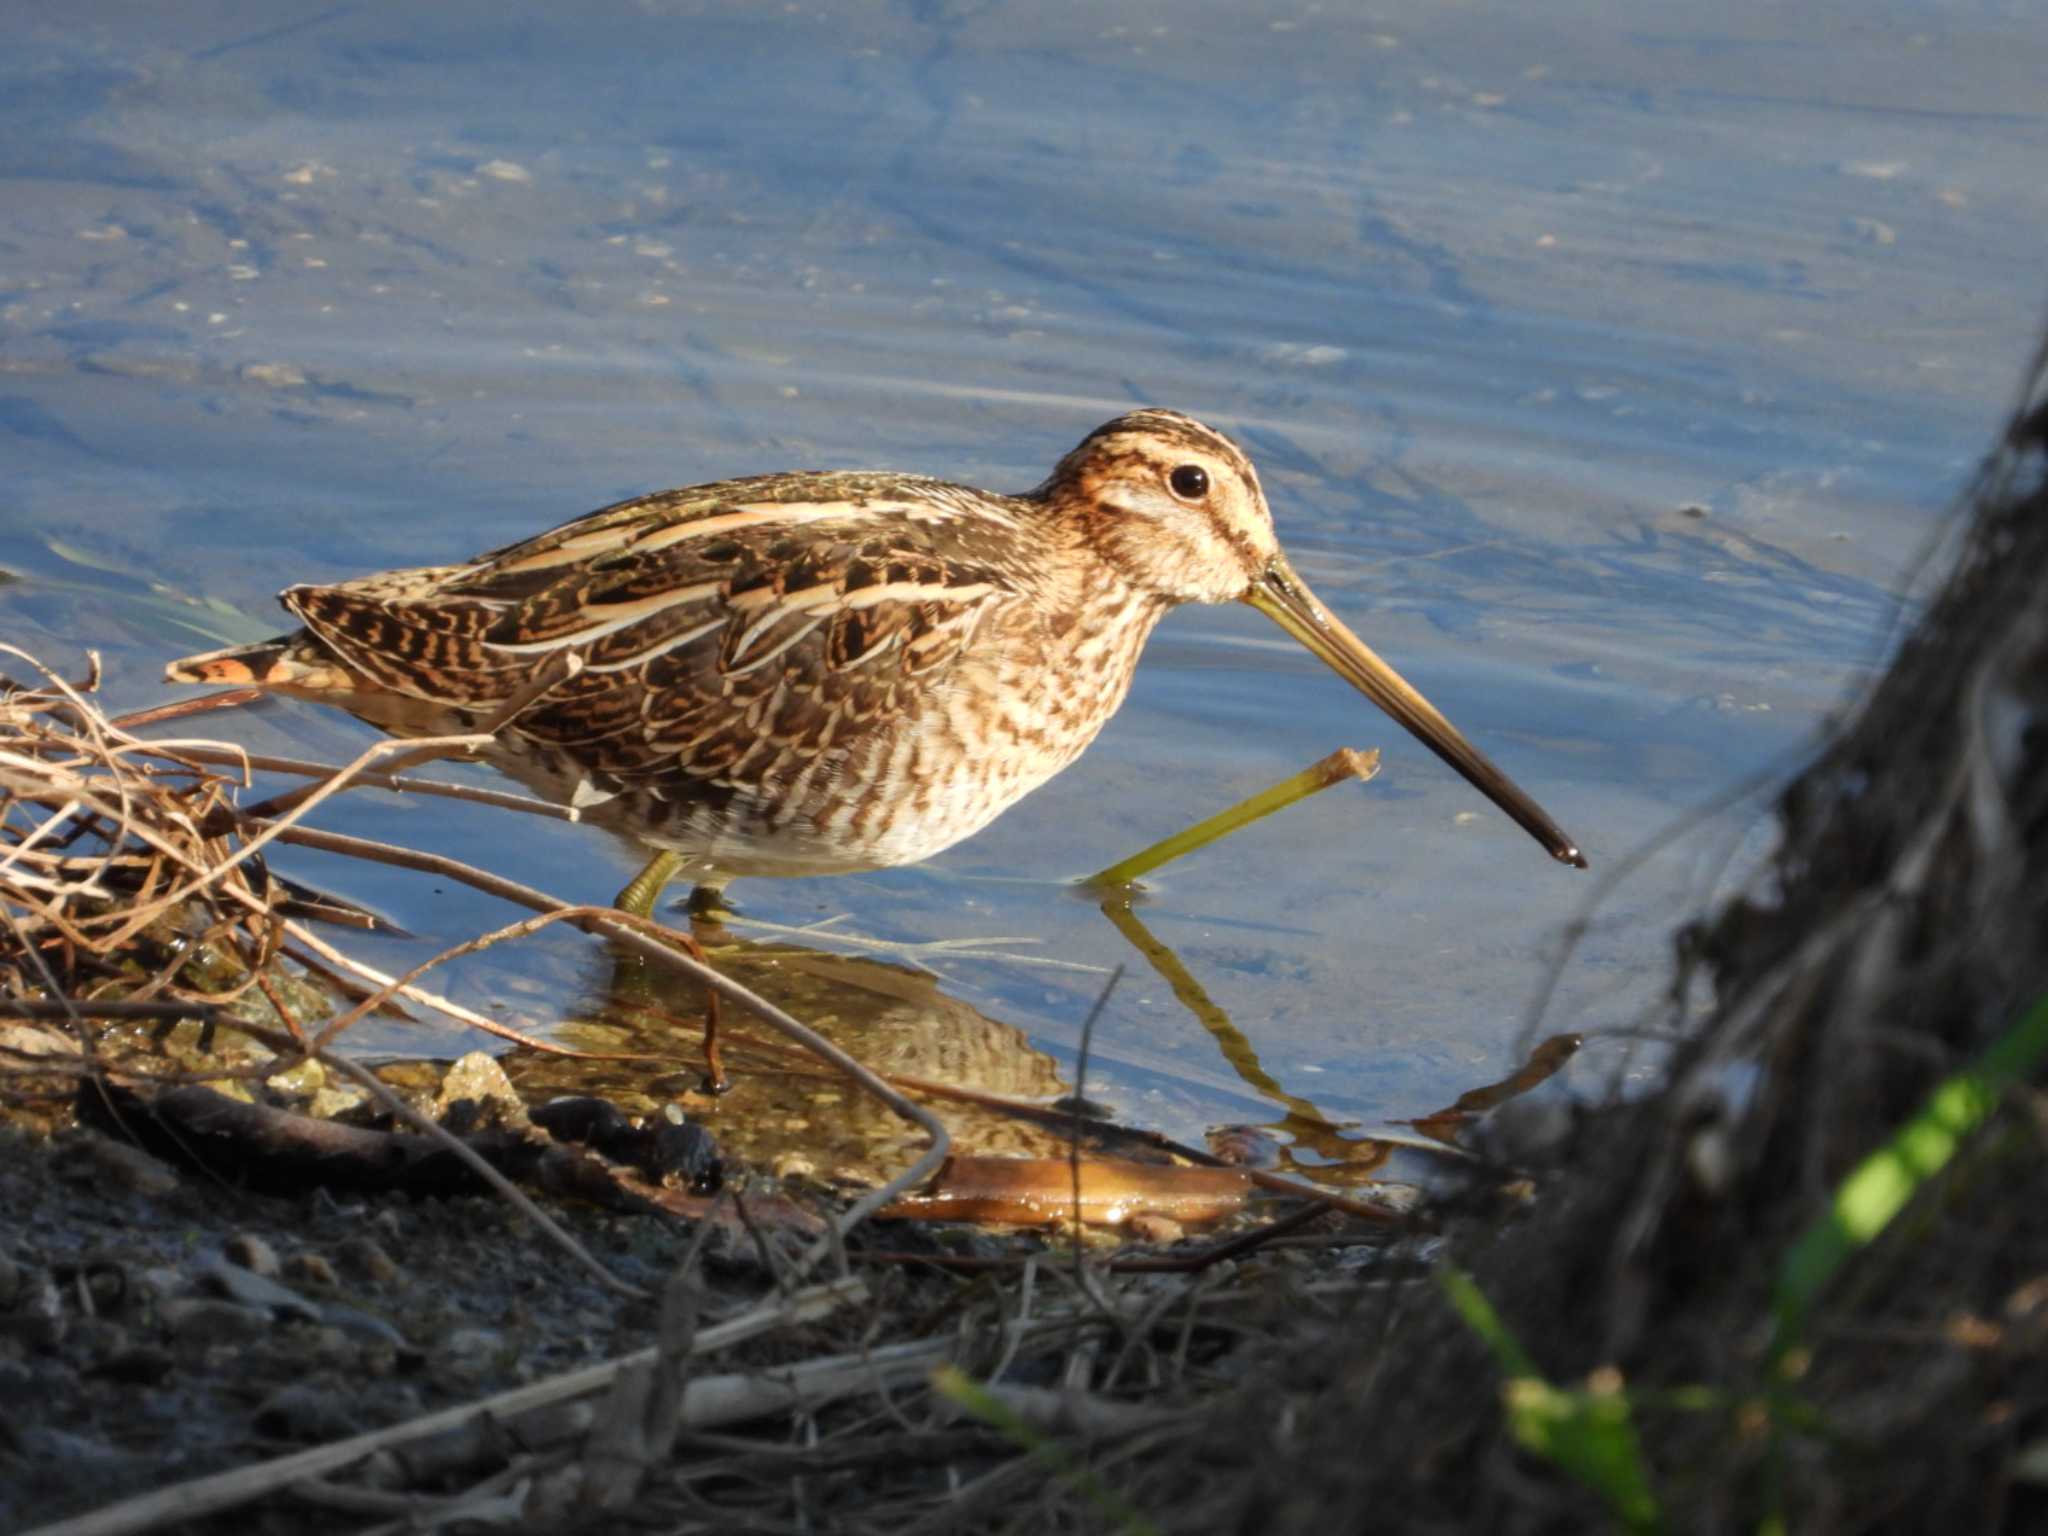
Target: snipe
column 818, row 672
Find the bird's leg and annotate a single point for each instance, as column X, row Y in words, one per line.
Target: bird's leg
column 1344, row 763
column 638, row 898
column 715, row 1080
column 645, row 888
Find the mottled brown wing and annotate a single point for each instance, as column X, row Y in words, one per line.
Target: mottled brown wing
column 769, row 649
column 719, row 627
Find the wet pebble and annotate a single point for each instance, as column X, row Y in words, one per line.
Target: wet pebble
column 85, row 1461
column 37, row 1317
column 252, row 1290
column 207, row 1320
column 1150, row 1227
column 667, row 1147
column 1404, row 1198
column 142, row 1365
column 253, row 1254
column 478, row 1080
column 470, row 1351
column 1245, row 1146
column 328, row 1345
column 364, row 1258
column 105, row 1285
column 558, row 1500
column 97, row 1339
column 103, row 1163
column 363, row 1325
column 157, row 1283
column 15, row 1379
column 305, row 1412
column 312, row 1269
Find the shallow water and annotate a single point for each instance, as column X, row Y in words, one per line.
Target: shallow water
column 1608, row 372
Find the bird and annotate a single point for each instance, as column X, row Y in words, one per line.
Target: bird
column 826, row 671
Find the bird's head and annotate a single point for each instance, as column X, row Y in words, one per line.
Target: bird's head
column 1175, row 508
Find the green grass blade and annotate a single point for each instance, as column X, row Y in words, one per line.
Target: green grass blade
column 1587, row 1432
column 1472, row 1305
column 1879, row 1187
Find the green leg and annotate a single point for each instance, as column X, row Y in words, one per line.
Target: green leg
column 639, row 898
column 1304, row 1121
column 1344, row 763
column 645, row 888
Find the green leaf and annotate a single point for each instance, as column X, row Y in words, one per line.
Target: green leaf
column 1588, row 1432
column 1879, row 1187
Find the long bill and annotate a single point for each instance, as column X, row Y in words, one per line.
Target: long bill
column 1284, row 598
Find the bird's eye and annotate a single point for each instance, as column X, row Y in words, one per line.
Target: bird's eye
column 1190, row 482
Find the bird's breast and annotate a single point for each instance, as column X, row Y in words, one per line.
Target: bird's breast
column 806, row 771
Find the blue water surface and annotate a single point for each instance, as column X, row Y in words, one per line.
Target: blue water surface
column 1608, row 367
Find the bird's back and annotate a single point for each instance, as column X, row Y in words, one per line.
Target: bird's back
column 782, row 673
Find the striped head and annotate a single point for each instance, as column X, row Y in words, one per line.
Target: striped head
column 1174, row 506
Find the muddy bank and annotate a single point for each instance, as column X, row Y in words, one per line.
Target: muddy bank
column 156, row 1325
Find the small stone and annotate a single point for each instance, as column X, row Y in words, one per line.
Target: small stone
column 101, row 1162
column 379, row 1362
column 558, row 1500
column 252, row 1290
column 98, row 1339
column 582, row 1119
column 142, row 1365
column 1399, row 1197
column 157, row 1283
column 301, row 1082
column 363, row 1257
column 1245, row 1146
column 253, row 1254
column 470, row 1351
column 793, row 1165
column 311, row 1269
column 328, row 1345
column 205, row 1320
column 305, row 1413
column 37, row 1317
column 32, row 1041
column 335, row 1100
column 106, row 1285
column 1151, row 1227
column 362, row 1325
column 478, row 1078
column 86, row 1462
